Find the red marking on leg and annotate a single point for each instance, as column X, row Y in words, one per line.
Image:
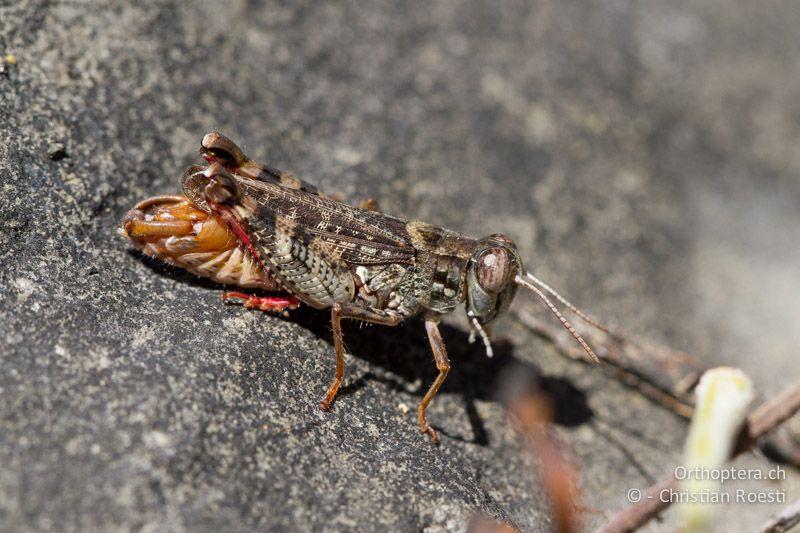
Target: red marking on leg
column 275, row 304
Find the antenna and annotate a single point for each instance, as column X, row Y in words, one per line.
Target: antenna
column 519, row 280
column 550, row 290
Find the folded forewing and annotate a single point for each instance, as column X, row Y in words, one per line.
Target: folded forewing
column 357, row 236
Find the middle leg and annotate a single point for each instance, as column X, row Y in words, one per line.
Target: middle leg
column 443, row 364
column 339, row 312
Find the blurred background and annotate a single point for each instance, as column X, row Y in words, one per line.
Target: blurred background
column 642, row 155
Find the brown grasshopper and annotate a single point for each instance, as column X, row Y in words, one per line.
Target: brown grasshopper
column 246, row 224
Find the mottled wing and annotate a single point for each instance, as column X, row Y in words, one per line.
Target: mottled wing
column 265, row 173
column 356, row 236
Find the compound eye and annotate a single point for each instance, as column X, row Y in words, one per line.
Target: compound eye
column 492, row 270
column 222, row 189
column 217, row 147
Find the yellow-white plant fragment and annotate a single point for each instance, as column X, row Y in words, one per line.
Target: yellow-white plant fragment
column 723, row 395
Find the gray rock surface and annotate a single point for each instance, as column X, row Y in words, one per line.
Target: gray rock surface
column 643, row 156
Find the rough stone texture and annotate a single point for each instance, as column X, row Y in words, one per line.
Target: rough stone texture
column 643, row 156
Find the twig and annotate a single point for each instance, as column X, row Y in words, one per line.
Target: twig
column 765, row 418
column 786, row 520
column 783, row 445
column 663, row 375
column 772, row 413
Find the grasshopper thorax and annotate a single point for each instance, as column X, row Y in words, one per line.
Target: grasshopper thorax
column 490, row 277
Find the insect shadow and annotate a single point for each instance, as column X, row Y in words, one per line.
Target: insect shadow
column 403, row 352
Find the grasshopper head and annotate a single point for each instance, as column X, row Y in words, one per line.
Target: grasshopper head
column 490, row 278
column 494, row 273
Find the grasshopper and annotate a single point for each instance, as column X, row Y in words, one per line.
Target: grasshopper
column 246, row 224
